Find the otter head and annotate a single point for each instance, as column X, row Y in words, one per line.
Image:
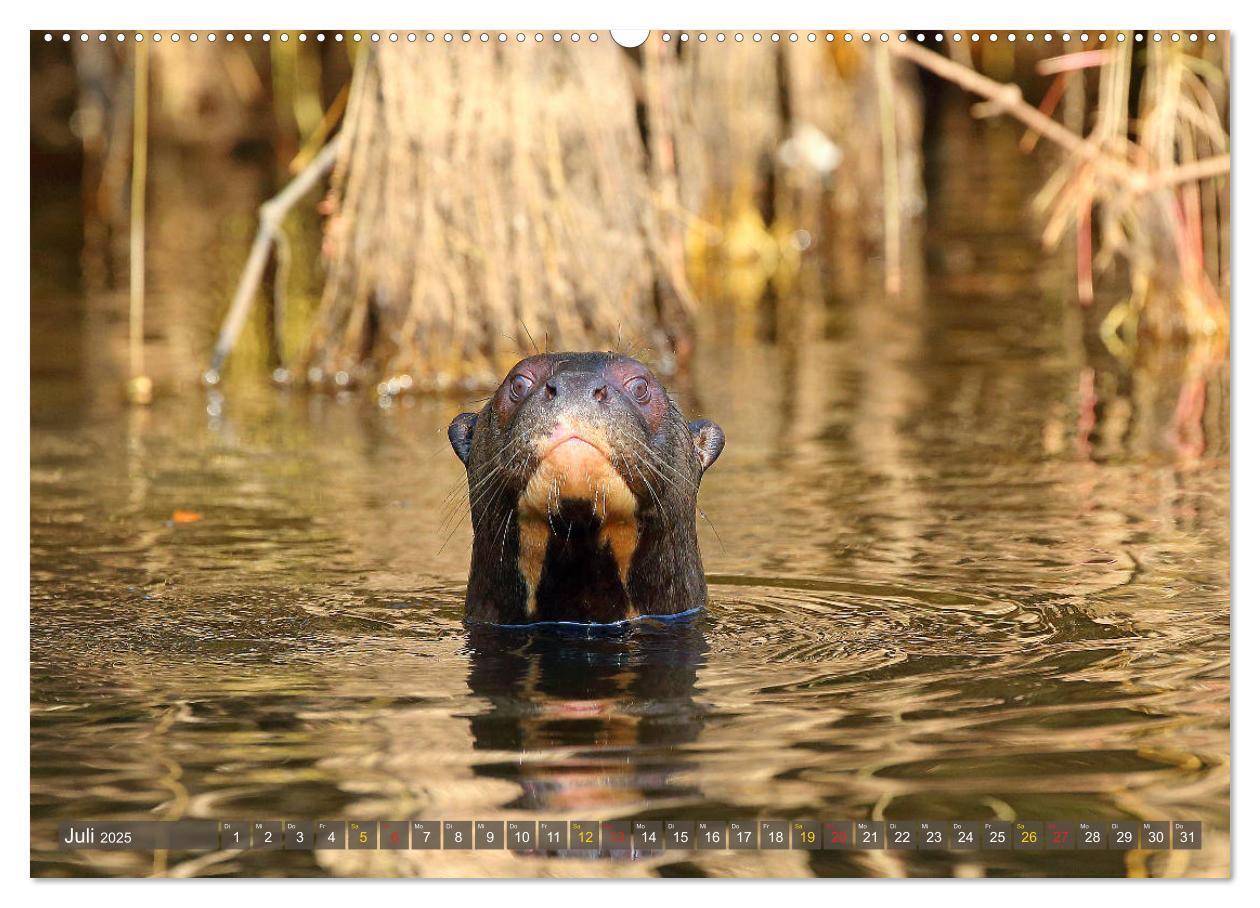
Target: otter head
column 582, row 481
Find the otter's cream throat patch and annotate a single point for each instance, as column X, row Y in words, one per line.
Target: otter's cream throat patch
column 574, row 469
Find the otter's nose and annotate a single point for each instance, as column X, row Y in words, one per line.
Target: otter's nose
column 576, row 388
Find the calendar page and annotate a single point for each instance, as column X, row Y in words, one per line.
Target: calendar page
column 512, row 452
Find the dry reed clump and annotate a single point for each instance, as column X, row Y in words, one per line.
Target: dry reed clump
column 488, row 200
column 1147, row 188
column 1173, row 235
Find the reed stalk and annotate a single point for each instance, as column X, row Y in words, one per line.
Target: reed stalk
column 139, row 385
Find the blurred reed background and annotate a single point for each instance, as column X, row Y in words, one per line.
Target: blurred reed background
column 459, row 203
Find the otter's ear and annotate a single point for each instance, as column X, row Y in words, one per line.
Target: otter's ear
column 460, row 432
column 708, row 439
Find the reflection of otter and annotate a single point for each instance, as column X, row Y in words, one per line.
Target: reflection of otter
column 619, row 702
column 582, row 481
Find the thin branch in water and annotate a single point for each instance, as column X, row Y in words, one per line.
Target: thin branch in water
column 892, row 173
column 140, row 386
column 271, row 216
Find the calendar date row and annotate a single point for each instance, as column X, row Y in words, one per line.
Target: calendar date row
column 630, row 837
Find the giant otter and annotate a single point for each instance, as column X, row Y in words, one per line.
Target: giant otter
column 582, row 482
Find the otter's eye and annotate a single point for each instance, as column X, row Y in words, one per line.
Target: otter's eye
column 519, row 386
column 639, row 389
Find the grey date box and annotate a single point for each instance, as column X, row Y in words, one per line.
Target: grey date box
column 457, row 835
column 806, row 835
column 1122, row 835
column 616, row 836
column 680, row 835
column 299, row 835
column 933, row 835
column 553, row 835
column 1060, row 835
column 741, row 835
column 870, row 835
column 837, row 835
column 265, row 834
column 774, row 834
column 1155, row 835
column 711, row 835
column 1028, row 835
column 426, row 835
column 648, row 835
column 902, row 835
column 522, row 835
column 1187, row 834
column 233, row 834
column 330, row 834
column 488, row 834
column 394, row 834
column 995, row 835
column 964, row 835
column 583, row 835
column 362, row 835
column 1091, row 835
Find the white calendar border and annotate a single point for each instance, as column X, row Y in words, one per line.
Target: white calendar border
column 14, row 416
